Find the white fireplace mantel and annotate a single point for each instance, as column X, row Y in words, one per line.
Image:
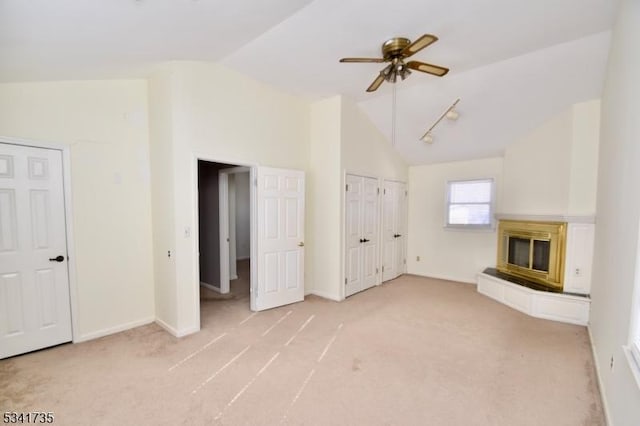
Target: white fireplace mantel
column 546, row 218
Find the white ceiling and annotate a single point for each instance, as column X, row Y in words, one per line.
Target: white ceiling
column 514, row 63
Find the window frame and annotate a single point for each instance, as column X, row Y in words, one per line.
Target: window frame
column 484, row 227
column 632, row 349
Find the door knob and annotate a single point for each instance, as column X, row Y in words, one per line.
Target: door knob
column 57, row 259
column 300, row 244
column 364, row 240
column 361, row 240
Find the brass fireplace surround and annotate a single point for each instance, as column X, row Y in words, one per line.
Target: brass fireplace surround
column 549, row 235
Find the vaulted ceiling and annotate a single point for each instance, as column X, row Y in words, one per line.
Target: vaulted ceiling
column 514, row 63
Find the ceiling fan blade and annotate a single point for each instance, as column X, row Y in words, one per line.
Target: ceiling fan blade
column 376, row 60
column 419, row 44
column 376, row 83
column 428, row 68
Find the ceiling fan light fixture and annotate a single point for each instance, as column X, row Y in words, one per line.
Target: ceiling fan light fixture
column 394, row 52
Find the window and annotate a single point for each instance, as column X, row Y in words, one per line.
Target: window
column 633, row 349
column 470, row 204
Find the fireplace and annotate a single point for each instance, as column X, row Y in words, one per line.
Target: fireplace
column 533, row 250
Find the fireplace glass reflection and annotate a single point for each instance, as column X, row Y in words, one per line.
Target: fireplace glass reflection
column 519, row 251
column 541, row 255
column 520, row 254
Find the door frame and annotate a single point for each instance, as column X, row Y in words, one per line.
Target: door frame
column 68, row 213
column 224, row 222
column 196, row 228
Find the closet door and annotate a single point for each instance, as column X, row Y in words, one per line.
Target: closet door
column 401, row 228
column 389, row 218
column 394, row 230
column 353, row 232
column 361, row 231
column 370, row 224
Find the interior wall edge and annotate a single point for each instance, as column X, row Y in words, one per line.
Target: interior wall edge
column 601, row 388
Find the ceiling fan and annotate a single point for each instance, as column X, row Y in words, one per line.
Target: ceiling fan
column 395, row 51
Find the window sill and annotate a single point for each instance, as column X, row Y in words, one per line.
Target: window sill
column 633, row 364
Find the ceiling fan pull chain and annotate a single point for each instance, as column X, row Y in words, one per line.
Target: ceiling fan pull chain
column 393, row 116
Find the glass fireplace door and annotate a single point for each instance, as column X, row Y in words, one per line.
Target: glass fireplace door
column 532, row 250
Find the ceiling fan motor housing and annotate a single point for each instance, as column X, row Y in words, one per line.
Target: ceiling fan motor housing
column 393, row 48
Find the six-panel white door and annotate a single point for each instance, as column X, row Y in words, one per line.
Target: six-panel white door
column 34, row 287
column 361, row 227
column 393, row 230
column 280, row 238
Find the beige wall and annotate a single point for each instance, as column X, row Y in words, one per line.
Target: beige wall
column 364, row 150
column 441, row 249
column 219, row 115
column 616, row 261
column 583, row 179
column 550, row 171
column 105, row 125
column 161, row 93
column 553, row 169
column 324, row 207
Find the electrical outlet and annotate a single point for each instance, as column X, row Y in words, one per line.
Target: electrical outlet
column 577, row 272
column 417, row 258
column 611, row 364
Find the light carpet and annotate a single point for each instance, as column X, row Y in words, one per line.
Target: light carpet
column 413, row 351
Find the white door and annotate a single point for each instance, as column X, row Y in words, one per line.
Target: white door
column 401, row 228
column 361, row 227
column 370, row 245
column 394, row 230
column 353, row 232
column 34, row 283
column 280, row 238
column 389, row 219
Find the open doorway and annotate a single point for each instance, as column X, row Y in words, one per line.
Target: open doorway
column 276, row 238
column 224, row 232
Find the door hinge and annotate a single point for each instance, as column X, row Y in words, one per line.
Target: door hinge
column 385, row 191
column 378, row 190
column 346, row 187
column 406, row 193
column 255, row 182
column 345, row 280
column 383, row 269
column 405, row 261
column 376, row 270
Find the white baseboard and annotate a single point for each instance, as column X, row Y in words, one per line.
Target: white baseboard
column 112, row 330
column 210, row 287
column 325, row 295
column 233, row 277
column 605, row 405
column 445, row 278
column 175, row 332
